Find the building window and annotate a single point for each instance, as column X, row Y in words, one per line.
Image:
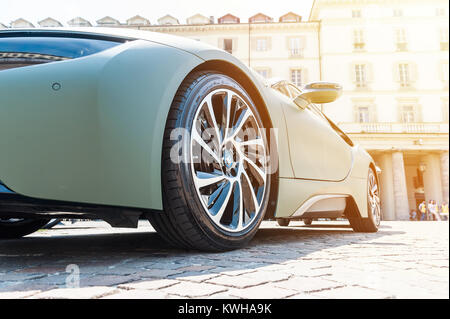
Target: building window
column 261, row 44
column 364, row 111
column 228, row 45
column 400, row 38
column 444, row 39
column 445, row 110
column 358, row 40
column 363, row 114
column 296, row 46
column 360, row 75
column 356, row 13
column 297, row 77
column 265, row 73
column 404, row 71
column 408, row 113
column 440, row 12
column 398, row 13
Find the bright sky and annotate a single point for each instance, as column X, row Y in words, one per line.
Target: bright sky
column 92, row 10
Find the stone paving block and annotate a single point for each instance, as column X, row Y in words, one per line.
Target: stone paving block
column 352, row 292
column 149, row 284
column 75, row 293
column 107, row 280
column 299, row 284
column 158, row 273
column 18, row 294
column 136, row 294
column 248, row 280
column 197, row 278
column 268, row 291
column 192, row 289
column 196, row 268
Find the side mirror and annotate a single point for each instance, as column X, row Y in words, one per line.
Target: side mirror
column 319, row 93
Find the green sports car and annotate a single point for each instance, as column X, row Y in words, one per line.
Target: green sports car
column 121, row 125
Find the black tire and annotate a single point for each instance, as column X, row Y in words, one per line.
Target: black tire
column 307, row 221
column 20, row 228
column 283, row 222
column 185, row 223
column 366, row 225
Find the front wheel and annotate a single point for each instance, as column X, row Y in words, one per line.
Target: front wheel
column 372, row 222
column 215, row 174
column 307, row 221
column 11, row 228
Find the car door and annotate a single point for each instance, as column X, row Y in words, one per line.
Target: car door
column 317, row 151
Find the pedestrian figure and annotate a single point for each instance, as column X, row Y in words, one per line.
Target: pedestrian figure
column 413, row 215
column 423, row 211
column 432, row 208
column 444, row 212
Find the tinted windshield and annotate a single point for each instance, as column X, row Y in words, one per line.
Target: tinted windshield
column 70, row 48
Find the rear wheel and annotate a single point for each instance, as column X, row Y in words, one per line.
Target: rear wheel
column 19, row 227
column 372, row 222
column 308, row 221
column 215, row 178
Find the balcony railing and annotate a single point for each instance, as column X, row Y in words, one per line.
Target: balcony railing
column 395, row 127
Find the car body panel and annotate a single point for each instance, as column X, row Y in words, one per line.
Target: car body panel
column 295, row 192
column 98, row 140
column 89, row 142
column 317, row 151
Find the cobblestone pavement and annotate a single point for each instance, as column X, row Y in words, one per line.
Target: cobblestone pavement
column 327, row 260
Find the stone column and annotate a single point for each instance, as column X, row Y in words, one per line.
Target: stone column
column 387, row 187
column 400, row 190
column 444, row 176
column 432, row 180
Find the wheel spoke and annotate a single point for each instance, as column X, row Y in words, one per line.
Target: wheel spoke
column 227, row 105
column 255, row 142
column 222, row 202
column 255, row 167
column 212, row 116
column 245, row 115
column 196, row 136
column 206, row 179
column 252, row 191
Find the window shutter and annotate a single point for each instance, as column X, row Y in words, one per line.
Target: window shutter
column 302, row 42
column 235, row 44
column 269, row 43
column 305, row 76
column 413, row 70
column 221, row 44
column 369, row 72
column 396, row 72
column 418, row 113
column 353, row 72
column 373, row 113
column 356, row 113
column 254, row 44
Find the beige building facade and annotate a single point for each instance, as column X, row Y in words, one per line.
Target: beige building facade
column 391, row 56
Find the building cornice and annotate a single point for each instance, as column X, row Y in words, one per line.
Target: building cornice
column 228, row 27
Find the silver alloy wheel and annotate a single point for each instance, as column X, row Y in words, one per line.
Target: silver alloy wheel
column 374, row 198
column 228, row 160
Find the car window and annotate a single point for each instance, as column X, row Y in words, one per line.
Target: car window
column 16, row 51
